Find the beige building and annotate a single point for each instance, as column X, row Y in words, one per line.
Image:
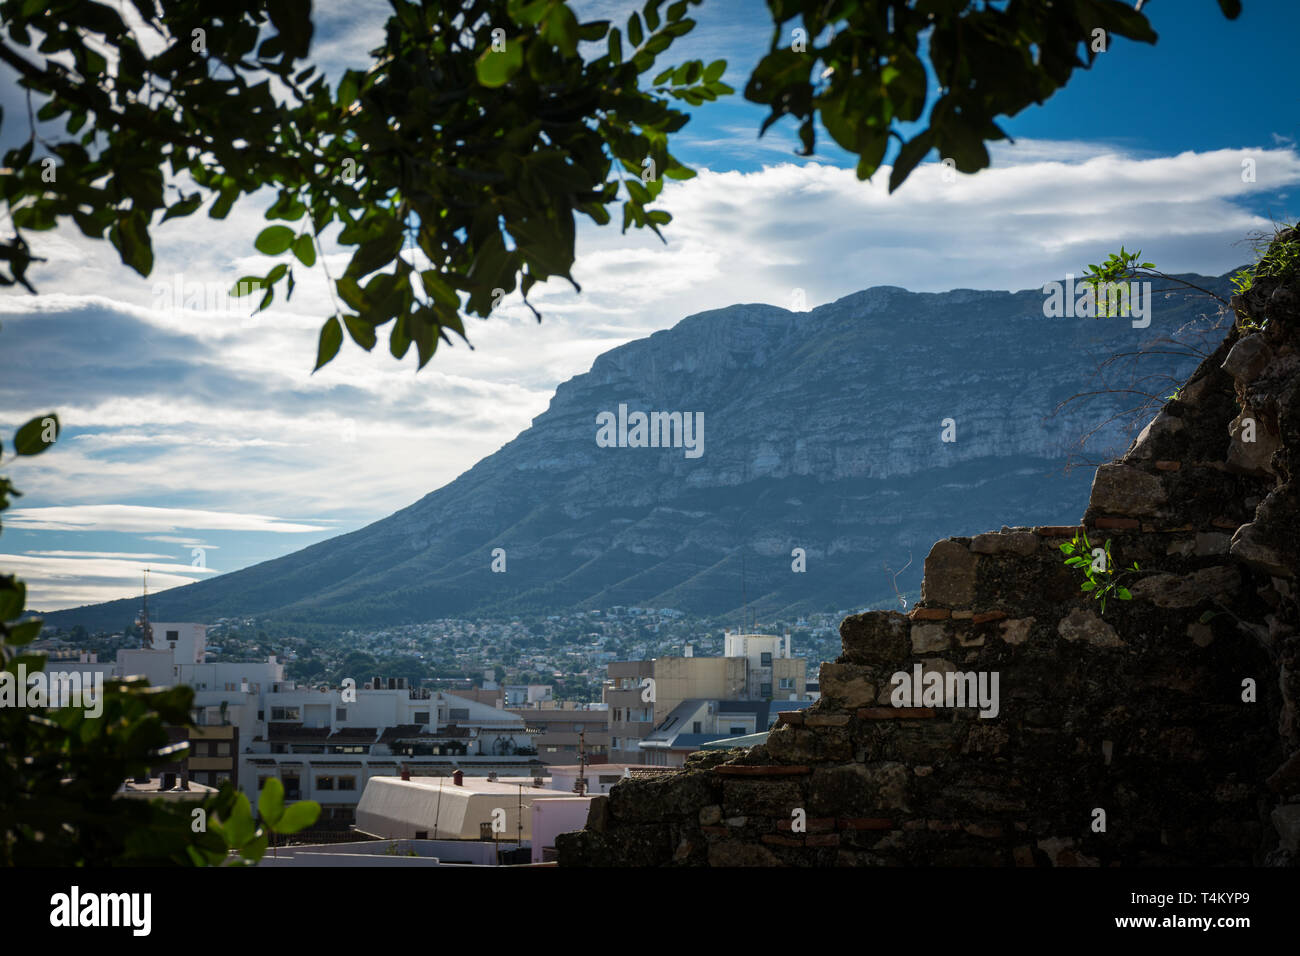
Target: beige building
column 630, row 716
column 555, row 733
column 641, row 694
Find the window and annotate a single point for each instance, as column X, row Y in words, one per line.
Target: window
column 422, row 834
column 421, row 717
column 324, row 783
column 737, row 731
column 173, row 636
column 765, row 690
column 340, row 713
column 347, row 783
column 765, row 659
column 285, row 713
column 552, row 750
column 199, row 748
column 613, row 744
column 223, row 748
column 579, row 728
column 787, row 683
column 697, row 728
column 459, row 713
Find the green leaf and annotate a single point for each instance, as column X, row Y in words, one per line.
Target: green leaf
column 496, row 67
column 246, row 286
column 270, row 803
column 1088, row 586
column 239, row 828
column 634, row 32
column 1124, row 594
column 305, row 249
column 911, row 153
column 298, row 816
column 37, row 435
column 274, row 240
column 713, row 72
column 331, row 337
column 23, row 633
column 183, row 208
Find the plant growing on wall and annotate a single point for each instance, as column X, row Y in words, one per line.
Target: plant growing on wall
column 1101, row 577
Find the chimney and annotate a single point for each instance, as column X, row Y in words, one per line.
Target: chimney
column 406, row 772
column 458, row 778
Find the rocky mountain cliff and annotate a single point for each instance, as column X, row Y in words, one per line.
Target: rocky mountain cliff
column 822, row 430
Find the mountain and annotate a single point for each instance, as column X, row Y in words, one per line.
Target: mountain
column 822, row 430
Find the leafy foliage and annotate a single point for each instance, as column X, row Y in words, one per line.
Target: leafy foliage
column 862, row 70
column 454, row 167
column 1100, row 582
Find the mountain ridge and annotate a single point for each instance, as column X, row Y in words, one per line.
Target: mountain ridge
column 821, row 431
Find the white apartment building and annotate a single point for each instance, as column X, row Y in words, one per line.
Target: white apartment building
column 325, row 743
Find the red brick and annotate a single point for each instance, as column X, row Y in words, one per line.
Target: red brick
column 987, row 616
column 1169, row 465
column 762, row 770
column 823, row 839
column 814, row 825
column 791, row 718
column 929, row 614
column 774, row 840
column 895, row 713
column 826, row 720
column 1118, row 524
column 865, row 823
column 1058, row 530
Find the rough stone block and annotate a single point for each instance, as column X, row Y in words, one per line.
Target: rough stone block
column 1016, row 630
column 1126, row 491
column 1081, row 625
column 1023, row 543
column 928, row 638
column 1179, row 591
column 878, row 638
column 847, row 682
column 949, row 575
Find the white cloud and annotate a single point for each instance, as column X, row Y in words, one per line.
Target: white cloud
column 140, row 518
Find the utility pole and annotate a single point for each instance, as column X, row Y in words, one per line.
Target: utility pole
column 580, row 785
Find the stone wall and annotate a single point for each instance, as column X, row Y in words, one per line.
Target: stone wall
column 1124, row 737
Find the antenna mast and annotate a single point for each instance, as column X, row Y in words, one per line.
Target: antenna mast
column 145, row 630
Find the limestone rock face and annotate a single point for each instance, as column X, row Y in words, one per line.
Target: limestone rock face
column 822, row 431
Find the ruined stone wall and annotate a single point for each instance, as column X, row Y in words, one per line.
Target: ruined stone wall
column 1129, row 737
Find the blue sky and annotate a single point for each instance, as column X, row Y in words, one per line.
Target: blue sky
column 196, row 428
